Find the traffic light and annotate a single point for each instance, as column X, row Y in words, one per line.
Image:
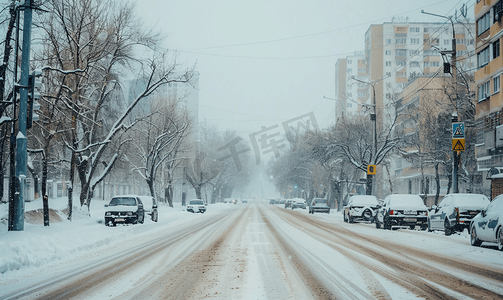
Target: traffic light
column 34, row 85
column 447, row 68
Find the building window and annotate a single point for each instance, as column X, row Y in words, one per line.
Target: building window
column 496, row 49
column 350, row 61
column 483, row 23
column 400, row 52
column 388, row 41
column 414, row 41
column 388, row 52
column 414, row 64
column 483, row 57
column 350, row 70
column 496, row 84
column 388, row 64
column 484, row 91
column 401, row 41
column 413, row 52
column 414, row 29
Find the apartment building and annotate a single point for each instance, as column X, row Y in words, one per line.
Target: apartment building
column 350, row 93
column 489, row 106
column 400, row 50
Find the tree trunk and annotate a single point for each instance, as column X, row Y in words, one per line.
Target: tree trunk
column 169, row 194
column 437, row 180
column 45, row 198
column 198, row 191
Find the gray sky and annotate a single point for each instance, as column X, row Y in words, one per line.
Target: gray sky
column 263, row 62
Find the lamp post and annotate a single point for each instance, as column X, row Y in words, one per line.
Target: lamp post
column 452, row 52
column 373, row 118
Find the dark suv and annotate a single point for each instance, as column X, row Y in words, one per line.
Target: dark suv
column 127, row 209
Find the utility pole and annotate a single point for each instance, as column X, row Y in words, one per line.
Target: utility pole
column 21, row 140
column 455, row 116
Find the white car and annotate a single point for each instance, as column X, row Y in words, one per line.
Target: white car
column 196, row 206
column 361, row 207
column 455, row 211
column 402, row 210
column 150, row 207
column 125, row 209
column 487, row 226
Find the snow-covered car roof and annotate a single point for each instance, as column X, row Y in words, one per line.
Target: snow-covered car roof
column 364, row 200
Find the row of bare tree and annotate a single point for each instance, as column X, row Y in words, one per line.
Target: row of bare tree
column 90, row 125
column 333, row 162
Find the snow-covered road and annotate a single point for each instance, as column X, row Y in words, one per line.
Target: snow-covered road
column 257, row 251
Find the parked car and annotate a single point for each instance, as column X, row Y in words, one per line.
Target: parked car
column 402, row 210
column 361, row 207
column 126, row 209
column 288, row 203
column 319, row 205
column 196, row 206
column 487, row 226
column 150, row 207
column 273, row 201
column 455, row 211
column 298, row 203
column 244, row 201
column 280, row 201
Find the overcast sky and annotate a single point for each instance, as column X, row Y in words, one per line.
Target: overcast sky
column 263, row 62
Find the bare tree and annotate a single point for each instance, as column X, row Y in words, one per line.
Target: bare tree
column 88, row 43
column 158, row 139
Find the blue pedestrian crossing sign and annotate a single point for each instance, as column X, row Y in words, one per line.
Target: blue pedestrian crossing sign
column 458, row 130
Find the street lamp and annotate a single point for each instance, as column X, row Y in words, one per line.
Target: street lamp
column 454, row 83
column 373, row 118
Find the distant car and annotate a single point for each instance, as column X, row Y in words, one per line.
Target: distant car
column 196, row 206
column 227, row 200
column 126, row 209
column 455, row 211
column 319, row 205
column 150, row 207
column 487, row 226
column 298, row 203
column 402, row 210
column 280, row 201
column 244, row 201
column 361, row 207
column 288, row 203
column 272, row 201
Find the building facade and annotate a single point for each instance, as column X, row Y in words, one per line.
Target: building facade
column 489, row 103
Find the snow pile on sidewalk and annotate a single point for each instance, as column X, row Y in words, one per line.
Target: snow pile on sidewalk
column 40, row 245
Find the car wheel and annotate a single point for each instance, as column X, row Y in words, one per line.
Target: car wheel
column 500, row 239
column 328, row 211
column 429, row 226
column 412, row 227
column 447, row 228
column 350, row 219
column 474, row 240
column 345, row 218
column 424, row 227
column 387, row 224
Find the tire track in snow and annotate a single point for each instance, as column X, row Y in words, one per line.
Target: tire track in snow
column 91, row 277
column 412, row 273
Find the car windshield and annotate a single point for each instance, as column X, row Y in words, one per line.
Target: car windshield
column 468, row 200
column 196, row 202
column 364, row 200
column 316, row 201
column 128, row 201
column 409, row 200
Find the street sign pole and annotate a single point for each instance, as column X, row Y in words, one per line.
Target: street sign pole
column 458, row 145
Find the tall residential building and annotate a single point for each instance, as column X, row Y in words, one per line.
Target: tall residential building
column 399, row 50
column 489, row 106
column 349, row 93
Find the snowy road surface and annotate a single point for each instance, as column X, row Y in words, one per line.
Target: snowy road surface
column 261, row 251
